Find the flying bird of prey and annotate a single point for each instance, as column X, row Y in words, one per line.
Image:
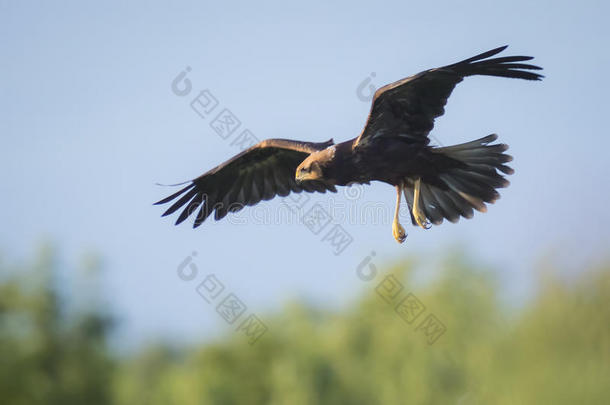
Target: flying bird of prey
column 437, row 182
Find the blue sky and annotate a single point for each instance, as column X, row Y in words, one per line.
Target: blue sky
column 90, row 124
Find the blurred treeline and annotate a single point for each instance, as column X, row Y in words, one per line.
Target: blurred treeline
column 555, row 350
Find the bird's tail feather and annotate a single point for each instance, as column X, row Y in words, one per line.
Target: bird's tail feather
column 469, row 183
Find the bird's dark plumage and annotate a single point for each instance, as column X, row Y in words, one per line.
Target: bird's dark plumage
column 438, row 182
column 407, row 108
column 258, row 173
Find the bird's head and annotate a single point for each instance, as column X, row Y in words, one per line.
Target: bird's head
column 313, row 168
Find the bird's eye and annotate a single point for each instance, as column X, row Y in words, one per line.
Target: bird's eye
column 305, row 169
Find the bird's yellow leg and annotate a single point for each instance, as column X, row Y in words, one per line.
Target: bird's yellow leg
column 418, row 214
column 397, row 230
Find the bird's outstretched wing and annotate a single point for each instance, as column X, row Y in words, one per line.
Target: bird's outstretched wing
column 407, row 108
column 259, row 173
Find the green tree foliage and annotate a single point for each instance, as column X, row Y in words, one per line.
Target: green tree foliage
column 49, row 355
column 554, row 350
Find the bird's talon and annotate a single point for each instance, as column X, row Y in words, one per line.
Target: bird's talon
column 397, row 230
column 418, row 214
column 422, row 221
column 399, row 233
